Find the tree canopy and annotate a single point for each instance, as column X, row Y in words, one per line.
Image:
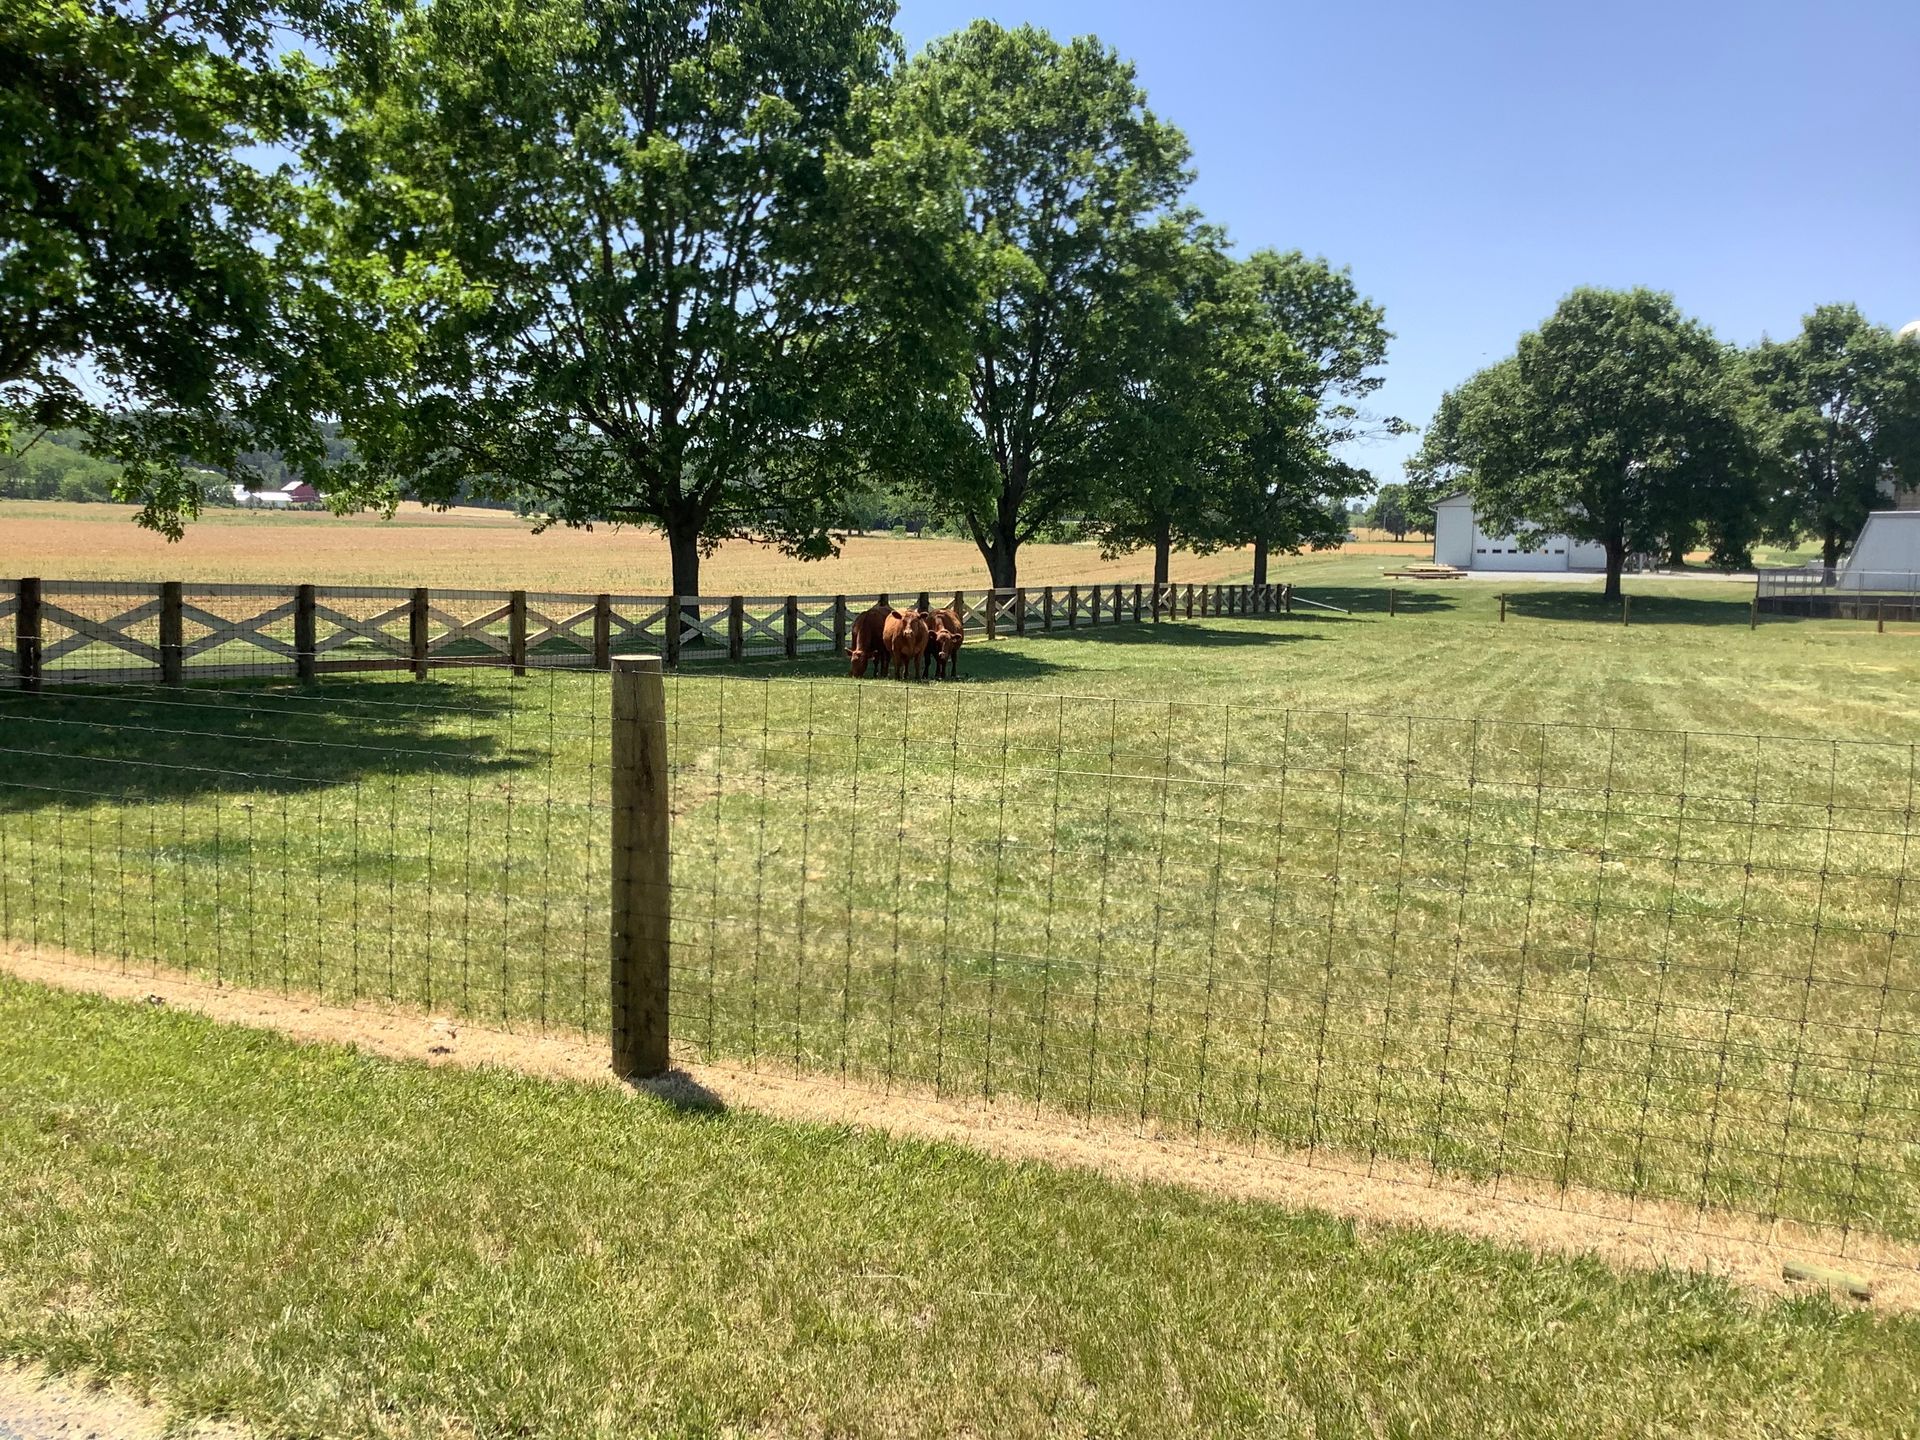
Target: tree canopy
column 1840, row 412
column 1170, row 438
column 1618, row 421
column 144, row 297
column 659, row 263
column 1319, row 356
column 1065, row 166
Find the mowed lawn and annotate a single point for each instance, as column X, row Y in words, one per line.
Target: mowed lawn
column 313, row 1242
column 1560, row 898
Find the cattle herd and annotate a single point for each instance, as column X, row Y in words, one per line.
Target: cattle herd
column 907, row 643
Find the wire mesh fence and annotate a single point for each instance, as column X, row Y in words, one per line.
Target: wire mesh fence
column 1660, row 964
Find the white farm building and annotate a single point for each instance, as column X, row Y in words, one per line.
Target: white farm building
column 1459, row 541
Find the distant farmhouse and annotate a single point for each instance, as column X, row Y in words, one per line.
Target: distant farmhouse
column 294, row 492
column 1460, row 541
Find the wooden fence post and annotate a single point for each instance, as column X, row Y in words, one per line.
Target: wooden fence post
column 1286, row 598
column 736, row 628
column 673, row 620
column 173, row 633
column 1046, row 607
column 1136, row 604
column 1189, row 600
column 1880, row 616
column 306, row 642
column 993, row 614
column 1753, row 613
column 603, row 632
column 418, row 632
column 1019, row 610
column 791, row 633
column 1626, row 609
column 839, row 624
column 642, row 898
column 1503, row 607
column 1392, row 601
column 1073, row 607
column 26, row 633
column 926, row 603
column 517, row 630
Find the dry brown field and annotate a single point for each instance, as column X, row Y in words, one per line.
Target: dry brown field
column 490, row 550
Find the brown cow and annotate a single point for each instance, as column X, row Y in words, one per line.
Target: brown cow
column 948, row 632
column 869, row 643
column 906, row 641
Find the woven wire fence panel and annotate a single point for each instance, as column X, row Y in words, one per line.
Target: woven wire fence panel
column 96, row 627
column 1660, row 964
column 371, row 839
column 1674, row 965
column 361, row 625
column 237, row 630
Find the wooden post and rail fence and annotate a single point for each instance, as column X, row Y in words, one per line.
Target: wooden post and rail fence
column 173, row 631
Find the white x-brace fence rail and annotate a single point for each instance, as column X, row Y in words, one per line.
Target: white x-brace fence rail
column 169, row 631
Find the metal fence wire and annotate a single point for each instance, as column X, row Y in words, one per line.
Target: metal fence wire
column 1660, row 964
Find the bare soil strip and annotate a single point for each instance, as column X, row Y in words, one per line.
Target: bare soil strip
column 38, row 1406
column 1628, row 1233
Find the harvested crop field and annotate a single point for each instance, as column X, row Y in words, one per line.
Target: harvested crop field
column 487, row 549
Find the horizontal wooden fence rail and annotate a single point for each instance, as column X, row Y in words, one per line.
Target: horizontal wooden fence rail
column 171, row 631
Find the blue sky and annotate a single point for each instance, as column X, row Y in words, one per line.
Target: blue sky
column 1473, row 163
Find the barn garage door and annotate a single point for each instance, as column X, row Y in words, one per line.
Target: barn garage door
column 1503, row 552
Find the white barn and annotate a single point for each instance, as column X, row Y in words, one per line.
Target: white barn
column 1887, row 554
column 1459, row 541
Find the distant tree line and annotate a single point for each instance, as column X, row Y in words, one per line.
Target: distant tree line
column 1623, row 422
column 726, row 268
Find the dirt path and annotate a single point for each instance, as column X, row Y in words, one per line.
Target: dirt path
column 37, row 1406
column 1628, row 1233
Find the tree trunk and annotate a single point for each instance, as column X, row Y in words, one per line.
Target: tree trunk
column 1616, row 562
column 683, row 542
column 1830, row 550
column 1162, row 553
column 1260, row 560
column 998, row 545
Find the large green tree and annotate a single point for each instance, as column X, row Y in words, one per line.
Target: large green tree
column 1065, row 167
column 665, row 264
column 1323, row 346
column 1389, row 511
column 1841, row 408
column 146, row 299
column 1170, row 437
column 1619, row 421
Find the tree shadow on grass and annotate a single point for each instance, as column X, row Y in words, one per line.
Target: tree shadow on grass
column 1227, row 632
column 1567, row 604
column 1371, row 600
column 79, row 745
column 1014, row 658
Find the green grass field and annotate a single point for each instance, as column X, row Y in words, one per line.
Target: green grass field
column 1530, row 899
column 317, row 1243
